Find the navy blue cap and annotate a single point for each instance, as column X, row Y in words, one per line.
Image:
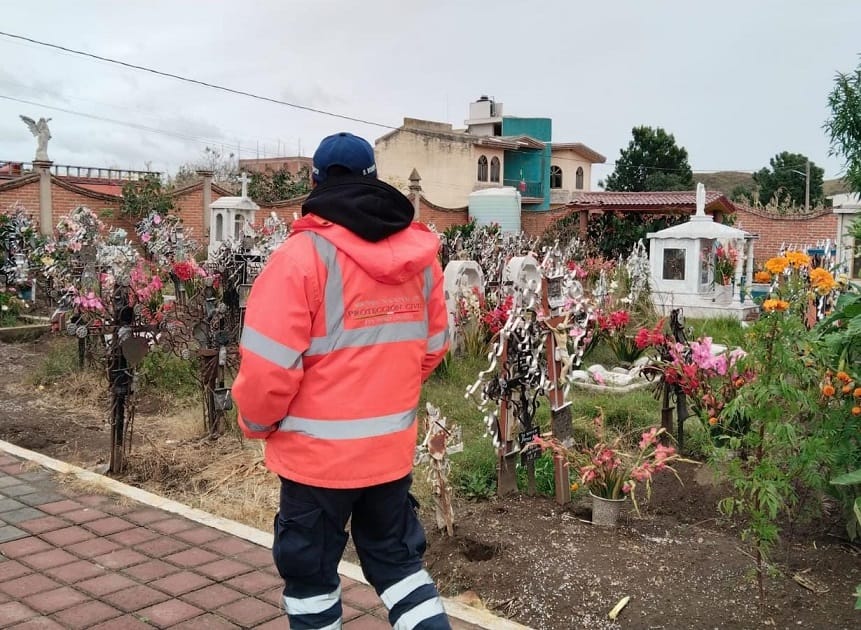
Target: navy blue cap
column 345, row 150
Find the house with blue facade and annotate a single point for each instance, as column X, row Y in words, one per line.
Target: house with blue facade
column 493, row 151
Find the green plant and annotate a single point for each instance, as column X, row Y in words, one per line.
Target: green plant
column 60, row 361
column 777, row 402
column 165, row 374
column 10, row 307
column 145, row 196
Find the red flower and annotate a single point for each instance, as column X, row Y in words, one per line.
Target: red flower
column 183, row 270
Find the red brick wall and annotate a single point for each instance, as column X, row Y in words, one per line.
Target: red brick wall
column 535, row 223
column 28, row 195
column 189, row 207
column 774, row 230
column 64, row 201
column 441, row 218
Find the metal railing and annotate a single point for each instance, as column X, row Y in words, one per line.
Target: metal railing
column 16, row 169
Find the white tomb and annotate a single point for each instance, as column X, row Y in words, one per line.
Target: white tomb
column 229, row 216
column 681, row 260
column 461, row 278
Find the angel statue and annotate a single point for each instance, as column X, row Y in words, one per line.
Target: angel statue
column 42, row 133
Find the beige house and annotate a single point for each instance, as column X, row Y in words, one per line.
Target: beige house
column 571, row 170
column 453, row 163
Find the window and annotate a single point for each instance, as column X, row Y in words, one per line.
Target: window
column 674, row 264
column 494, row 169
column 578, row 178
column 238, row 224
column 219, row 227
column 555, row 177
column 482, row 169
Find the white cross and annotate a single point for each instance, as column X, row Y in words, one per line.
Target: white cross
column 244, row 180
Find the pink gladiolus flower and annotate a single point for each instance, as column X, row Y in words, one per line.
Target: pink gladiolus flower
column 626, row 487
column 649, row 438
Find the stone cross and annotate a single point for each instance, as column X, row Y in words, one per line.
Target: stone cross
column 244, row 180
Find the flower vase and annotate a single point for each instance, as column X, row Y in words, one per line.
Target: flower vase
column 605, row 512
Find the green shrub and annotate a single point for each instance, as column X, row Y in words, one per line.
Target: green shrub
column 167, row 375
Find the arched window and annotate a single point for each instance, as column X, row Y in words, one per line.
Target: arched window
column 555, row 177
column 482, row 169
column 578, row 178
column 494, row 169
column 238, row 224
column 219, row 227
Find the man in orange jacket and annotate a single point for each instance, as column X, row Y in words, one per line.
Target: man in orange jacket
column 343, row 326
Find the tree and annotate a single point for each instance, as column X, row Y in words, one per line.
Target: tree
column 144, row 196
column 652, row 161
column 271, row 186
column 844, row 124
column 224, row 167
column 786, row 179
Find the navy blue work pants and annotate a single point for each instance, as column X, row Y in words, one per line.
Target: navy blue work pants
column 310, row 536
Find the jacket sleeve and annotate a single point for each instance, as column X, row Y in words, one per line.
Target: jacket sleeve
column 276, row 333
column 438, row 335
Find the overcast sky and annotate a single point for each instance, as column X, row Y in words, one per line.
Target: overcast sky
column 735, row 82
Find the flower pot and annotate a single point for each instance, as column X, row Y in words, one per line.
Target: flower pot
column 605, row 512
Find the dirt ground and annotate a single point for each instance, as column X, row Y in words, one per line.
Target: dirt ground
column 525, row 558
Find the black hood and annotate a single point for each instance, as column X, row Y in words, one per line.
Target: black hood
column 368, row 207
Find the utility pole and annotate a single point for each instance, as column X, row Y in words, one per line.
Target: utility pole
column 807, row 187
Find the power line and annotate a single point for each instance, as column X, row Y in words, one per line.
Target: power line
column 205, row 141
column 207, row 84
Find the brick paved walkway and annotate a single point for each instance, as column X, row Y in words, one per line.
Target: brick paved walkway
column 71, row 560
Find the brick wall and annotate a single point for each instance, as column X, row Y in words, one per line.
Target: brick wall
column 535, row 223
column 774, row 230
column 441, row 218
column 28, row 195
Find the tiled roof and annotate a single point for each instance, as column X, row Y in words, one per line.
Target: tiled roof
column 662, row 198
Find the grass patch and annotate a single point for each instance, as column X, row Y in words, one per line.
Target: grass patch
column 727, row 331
column 60, row 361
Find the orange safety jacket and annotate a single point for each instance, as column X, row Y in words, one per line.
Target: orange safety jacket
column 339, row 335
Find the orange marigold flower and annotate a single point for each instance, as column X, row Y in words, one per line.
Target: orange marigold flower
column 846, row 389
column 828, row 390
column 762, row 277
column 775, row 305
column 822, row 280
column 797, row 259
column 843, row 376
column 777, row 264
column 856, row 410
column 712, row 421
column 574, row 487
column 857, row 392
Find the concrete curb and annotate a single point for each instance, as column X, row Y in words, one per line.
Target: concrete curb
column 469, row 614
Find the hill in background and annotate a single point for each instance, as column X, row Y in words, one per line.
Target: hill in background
column 725, row 181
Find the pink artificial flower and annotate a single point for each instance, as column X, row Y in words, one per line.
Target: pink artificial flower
column 626, row 487
column 598, row 378
column 156, row 219
column 145, row 237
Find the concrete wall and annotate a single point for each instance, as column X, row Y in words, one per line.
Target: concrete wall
column 569, row 162
column 448, row 166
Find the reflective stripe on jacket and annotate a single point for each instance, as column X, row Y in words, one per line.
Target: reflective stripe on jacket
column 339, row 335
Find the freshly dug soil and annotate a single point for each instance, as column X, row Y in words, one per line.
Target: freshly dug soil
column 526, row 558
